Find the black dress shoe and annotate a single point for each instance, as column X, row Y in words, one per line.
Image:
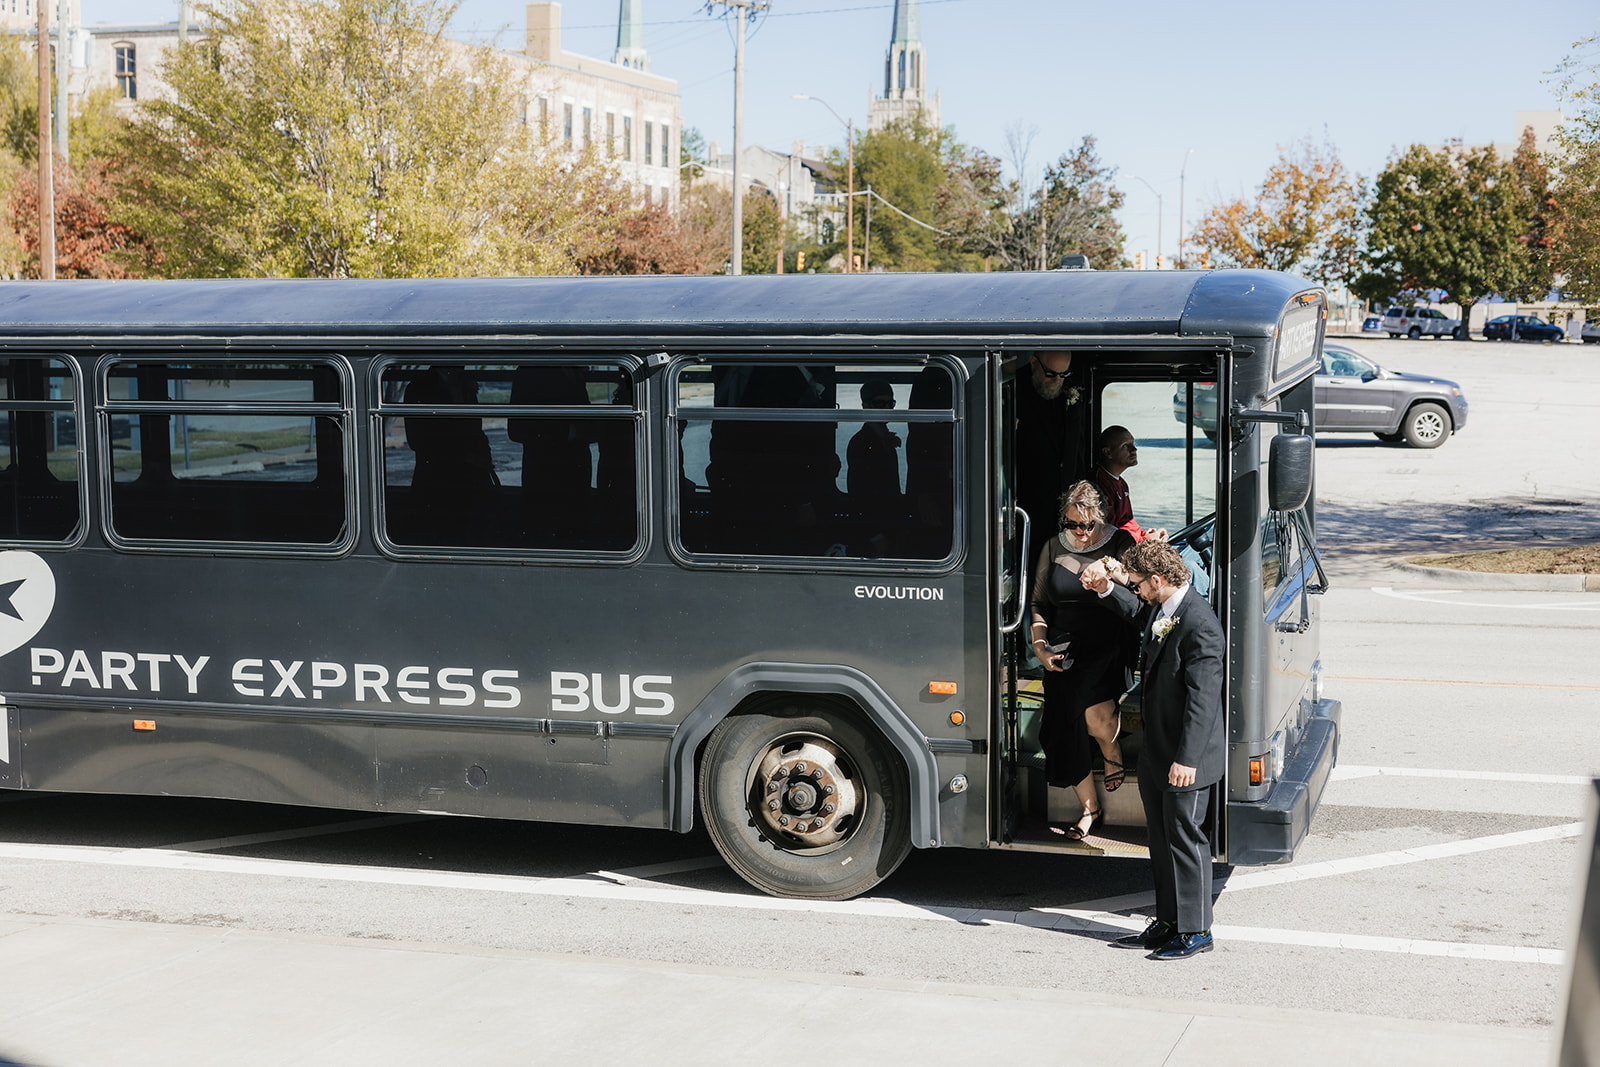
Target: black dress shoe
column 1156, row 933
column 1183, row 946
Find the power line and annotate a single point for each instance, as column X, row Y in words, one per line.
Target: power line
column 768, row 15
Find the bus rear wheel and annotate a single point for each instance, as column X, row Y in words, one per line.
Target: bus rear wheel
column 805, row 801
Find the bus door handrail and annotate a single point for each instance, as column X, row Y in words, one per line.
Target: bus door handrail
column 1022, row 573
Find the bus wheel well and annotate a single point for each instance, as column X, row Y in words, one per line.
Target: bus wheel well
column 803, row 796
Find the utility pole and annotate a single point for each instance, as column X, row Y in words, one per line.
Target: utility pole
column 866, row 245
column 1181, row 175
column 63, row 73
column 742, row 9
column 47, row 193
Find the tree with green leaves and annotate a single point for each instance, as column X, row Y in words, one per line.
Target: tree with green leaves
column 87, row 239
column 351, row 138
column 1306, row 217
column 1453, row 219
column 900, row 169
column 1072, row 212
column 1575, row 245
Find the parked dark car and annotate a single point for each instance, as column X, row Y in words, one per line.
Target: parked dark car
column 1355, row 395
column 1522, row 328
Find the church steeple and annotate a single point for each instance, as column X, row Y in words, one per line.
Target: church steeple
column 905, row 76
column 630, row 36
column 902, row 71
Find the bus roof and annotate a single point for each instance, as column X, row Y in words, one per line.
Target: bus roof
column 1106, row 304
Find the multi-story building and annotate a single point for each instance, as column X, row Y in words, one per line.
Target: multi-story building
column 617, row 104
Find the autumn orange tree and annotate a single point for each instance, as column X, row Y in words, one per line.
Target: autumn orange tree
column 1305, row 218
column 87, row 240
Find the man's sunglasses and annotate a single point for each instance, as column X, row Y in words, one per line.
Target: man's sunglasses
column 1048, row 373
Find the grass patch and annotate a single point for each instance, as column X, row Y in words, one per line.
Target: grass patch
column 1573, row 559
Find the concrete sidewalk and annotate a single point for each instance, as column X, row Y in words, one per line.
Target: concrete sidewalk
column 99, row 993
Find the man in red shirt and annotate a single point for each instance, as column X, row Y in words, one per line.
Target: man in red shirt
column 1117, row 452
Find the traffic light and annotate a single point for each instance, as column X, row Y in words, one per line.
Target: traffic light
column 1158, row 263
column 1138, row 261
column 856, row 263
column 799, row 262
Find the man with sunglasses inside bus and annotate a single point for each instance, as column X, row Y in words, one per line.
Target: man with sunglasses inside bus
column 1183, row 753
column 1052, row 441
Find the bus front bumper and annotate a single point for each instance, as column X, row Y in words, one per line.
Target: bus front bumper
column 1269, row 830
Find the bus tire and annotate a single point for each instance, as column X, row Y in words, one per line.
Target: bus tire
column 1426, row 426
column 766, row 774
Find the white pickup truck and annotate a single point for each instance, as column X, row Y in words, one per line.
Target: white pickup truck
column 1420, row 322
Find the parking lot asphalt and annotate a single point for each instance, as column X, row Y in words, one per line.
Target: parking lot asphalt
column 138, row 993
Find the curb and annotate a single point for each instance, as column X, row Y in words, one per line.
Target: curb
column 1539, row 583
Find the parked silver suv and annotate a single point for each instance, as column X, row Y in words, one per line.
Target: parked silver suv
column 1355, row 395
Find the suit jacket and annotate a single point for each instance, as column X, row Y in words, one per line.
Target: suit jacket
column 1182, row 691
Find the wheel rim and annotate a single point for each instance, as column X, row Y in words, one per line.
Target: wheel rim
column 803, row 794
column 1428, row 426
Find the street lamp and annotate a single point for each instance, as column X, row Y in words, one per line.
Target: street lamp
column 1152, row 188
column 1181, row 174
column 850, row 167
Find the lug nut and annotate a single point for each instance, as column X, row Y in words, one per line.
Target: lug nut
column 783, row 820
column 772, row 805
column 773, row 786
column 828, row 809
column 817, row 774
column 800, row 768
column 828, row 790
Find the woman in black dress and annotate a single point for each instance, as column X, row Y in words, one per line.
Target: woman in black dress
column 1084, row 649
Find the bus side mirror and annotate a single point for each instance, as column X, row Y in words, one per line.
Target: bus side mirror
column 1289, row 471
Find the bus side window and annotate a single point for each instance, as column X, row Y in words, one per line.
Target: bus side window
column 228, row 475
column 838, row 485
column 529, row 474
column 38, row 452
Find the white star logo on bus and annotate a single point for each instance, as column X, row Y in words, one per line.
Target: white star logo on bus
column 27, row 596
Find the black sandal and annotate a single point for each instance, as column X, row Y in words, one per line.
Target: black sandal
column 1114, row 778
column 1077, row 831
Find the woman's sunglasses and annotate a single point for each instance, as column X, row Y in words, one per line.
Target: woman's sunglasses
column 1078, row 525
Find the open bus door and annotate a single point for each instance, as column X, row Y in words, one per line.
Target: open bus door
column 1011, row 568
column 1175, row 487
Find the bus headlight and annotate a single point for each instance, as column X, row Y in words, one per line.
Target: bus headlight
column 1316, row 683
column 1275, row 760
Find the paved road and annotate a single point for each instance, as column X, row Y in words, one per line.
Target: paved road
column 1424, row 921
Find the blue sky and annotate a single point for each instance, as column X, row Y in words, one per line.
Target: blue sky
column 1150, row 80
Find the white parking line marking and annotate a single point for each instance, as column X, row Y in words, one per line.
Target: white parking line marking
column 349, row 826
column 656, row 870
column 1268, row 876
column 1380, row 680
column 1091, row 916
column 1345, row 772
column 1428, row 597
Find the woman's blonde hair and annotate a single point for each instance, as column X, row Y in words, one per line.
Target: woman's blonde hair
column 1085, row 496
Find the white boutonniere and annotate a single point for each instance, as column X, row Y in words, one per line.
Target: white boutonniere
column 1163, row 626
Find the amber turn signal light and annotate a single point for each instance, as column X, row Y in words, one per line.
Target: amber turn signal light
column 957, row 718
column 144, row 724
column 943, row 688
column 1256, row 763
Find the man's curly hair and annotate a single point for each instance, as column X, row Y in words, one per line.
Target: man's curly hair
column 1151, row 556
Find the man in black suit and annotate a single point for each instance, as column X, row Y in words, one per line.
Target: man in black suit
column 1183, row 753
